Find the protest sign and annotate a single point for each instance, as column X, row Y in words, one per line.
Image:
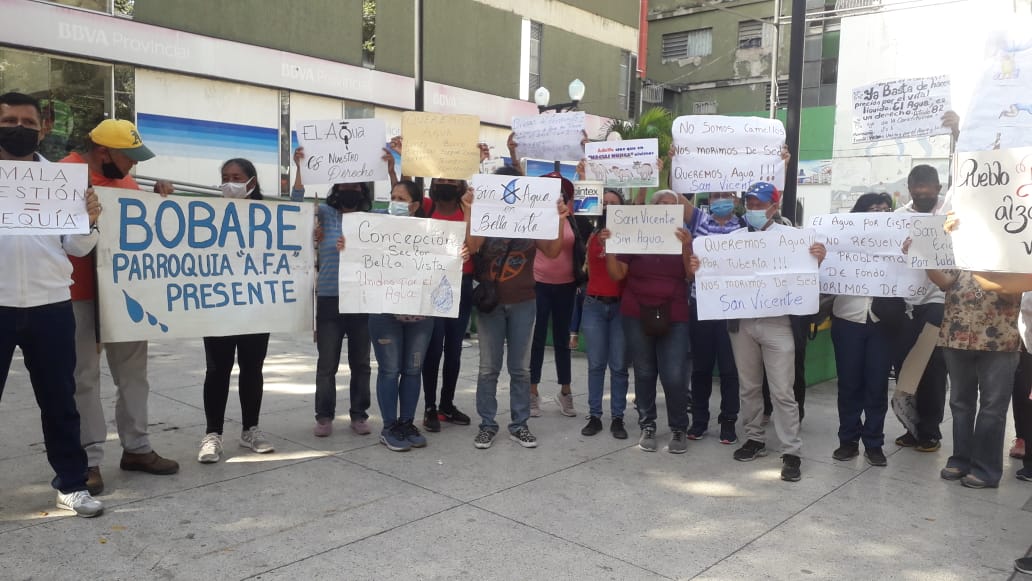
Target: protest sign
column 644, row 229
column 991, row 192
column 401, row 265
column 440, row 146
column 43, row 198
column 999, row 115
column 587, row 198
column 900, row 109
column 182, row 267
column 515, row 207
column 342, row 151
column 715, row 153
column 749, row 275
column 623, row 164
column 865, row 255
column 555, row 137
column 930, row 245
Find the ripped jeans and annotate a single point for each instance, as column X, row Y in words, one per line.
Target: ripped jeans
column 399, row 347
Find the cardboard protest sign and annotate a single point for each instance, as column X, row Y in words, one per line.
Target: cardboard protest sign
column 587, row 198
column 182, row 267
column 401, row 265
column 930, row 245
column 623, row 164
column 342, row 151
column 644, row 229
column 440, row 146
column 716, row 153
column 991, row 192
column 748, row 275
column 865, row 255
column 43, row 198
column 900, row 109
column 555, row 137
column 515, row 207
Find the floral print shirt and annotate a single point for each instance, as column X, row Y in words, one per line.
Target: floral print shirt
column 979, row 320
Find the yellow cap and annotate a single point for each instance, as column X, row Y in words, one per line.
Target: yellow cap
column 121, row 135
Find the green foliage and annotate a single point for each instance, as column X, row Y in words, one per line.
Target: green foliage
column 369, row 27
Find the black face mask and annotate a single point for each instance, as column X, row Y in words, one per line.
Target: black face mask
column 446, row 192
column 345, row 199
column 925, row 205
column 111, row 171
column 19, row 141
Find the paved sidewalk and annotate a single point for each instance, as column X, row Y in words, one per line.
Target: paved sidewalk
column 345, row 507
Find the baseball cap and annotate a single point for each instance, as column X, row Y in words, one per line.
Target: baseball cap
column 566, row 185
column 121, row 135
column 765, row 192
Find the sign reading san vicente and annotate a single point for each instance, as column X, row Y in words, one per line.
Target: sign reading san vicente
column 644, row 229
column 401, row 265
column 515, row 207
column 194, row 267
column 992, row 198
column 342, row 151
column 715, row 153
column 43, row 198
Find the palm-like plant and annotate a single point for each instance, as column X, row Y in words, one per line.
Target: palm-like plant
column 656, row 122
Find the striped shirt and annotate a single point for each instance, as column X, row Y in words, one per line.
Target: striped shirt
column 329, row 258
column 708, row 225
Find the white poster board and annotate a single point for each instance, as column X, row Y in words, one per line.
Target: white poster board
column 644, row 229
column 555, row 137
column 930, row 245
column 43, row 198
column 717, row 153
column 183, row 267
column 515, row 207
column 587, row 198
column 900, row 109
column 749, row 275
column 1000, row 112
column 401, row 265
column 342, row 151
column 623, row 164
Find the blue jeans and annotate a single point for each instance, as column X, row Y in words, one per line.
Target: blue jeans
column 46, row 335
column 555, row 302
column 862, row 359
column 400, row 347
column 330, row 329
column 711, row 345
column 662, row 358
column 512, row 324
column 602, row 327
column 447, row 341
column 981, row 383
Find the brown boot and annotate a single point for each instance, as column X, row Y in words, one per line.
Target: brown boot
column 94, row 482
column 150, row 463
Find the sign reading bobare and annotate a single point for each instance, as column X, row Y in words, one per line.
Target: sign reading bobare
column 195, row 267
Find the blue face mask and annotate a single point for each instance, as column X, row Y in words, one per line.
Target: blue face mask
column 722, row 208
column 756, row 218
column 398, row 209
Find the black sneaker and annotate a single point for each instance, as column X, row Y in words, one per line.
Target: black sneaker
column 617, row 429
column 484, row 439
column 907, row 440
column 790, row 468
column 430, row 421
column 846, row 451
column 875, row 457
column 1023, row 565
column 928, row 445
column 750, row 451
column 594, row 426
column 1024, row 474
column 452, row 415
column 696, row 432
column 727, row 432
column 523, row 437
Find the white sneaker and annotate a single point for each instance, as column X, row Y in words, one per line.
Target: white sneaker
column 255, row 439
column 81, row 503
column 211, row 448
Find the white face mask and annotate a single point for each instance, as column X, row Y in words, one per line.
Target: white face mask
column 236, row 189
column 398, row 209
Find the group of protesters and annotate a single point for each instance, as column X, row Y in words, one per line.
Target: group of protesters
column 632, row 311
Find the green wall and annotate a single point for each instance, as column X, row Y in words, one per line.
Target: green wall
column 622, row 11
column 568, row 56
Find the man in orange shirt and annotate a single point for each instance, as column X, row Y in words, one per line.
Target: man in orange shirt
column 112, row 149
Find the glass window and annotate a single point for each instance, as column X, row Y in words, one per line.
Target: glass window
column 750, row 34
column 690, row 43
column 536, row 33
column 97, row 5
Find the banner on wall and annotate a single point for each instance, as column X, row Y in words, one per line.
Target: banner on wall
column 342, row 151
column 717, row 153
column 43, row 198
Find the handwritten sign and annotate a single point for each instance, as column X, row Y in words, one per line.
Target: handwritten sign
column 401, row 265
column 900, row 109
column 715, row 153
column 553, row 137
column 644, row 229
column 587, row 198
column 43, row 198
column 930, row 245
column 338, row 152
column 865, row 255
column 991, row 198
column 999, row 115
column 623, row 164
column 195, row 267
column 440, row 146
column 749, row 275
column 515, row 207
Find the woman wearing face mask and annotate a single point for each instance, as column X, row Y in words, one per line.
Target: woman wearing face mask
column 239, row 181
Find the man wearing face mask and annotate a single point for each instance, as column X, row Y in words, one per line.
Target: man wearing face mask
column 111, row 150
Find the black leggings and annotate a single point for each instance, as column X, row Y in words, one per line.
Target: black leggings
column 219, row 352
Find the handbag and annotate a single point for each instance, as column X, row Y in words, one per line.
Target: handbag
column 485, row 296
column 655, row 320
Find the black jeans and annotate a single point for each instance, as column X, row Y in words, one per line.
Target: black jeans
column 447, row 342
column 1023, row 405
column 711, row 345
column 555, row 302
column 330, row 329
column 930, row 398
column 219, row 352
column 46, row 335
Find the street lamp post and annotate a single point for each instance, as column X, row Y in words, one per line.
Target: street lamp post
column 576, row 92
